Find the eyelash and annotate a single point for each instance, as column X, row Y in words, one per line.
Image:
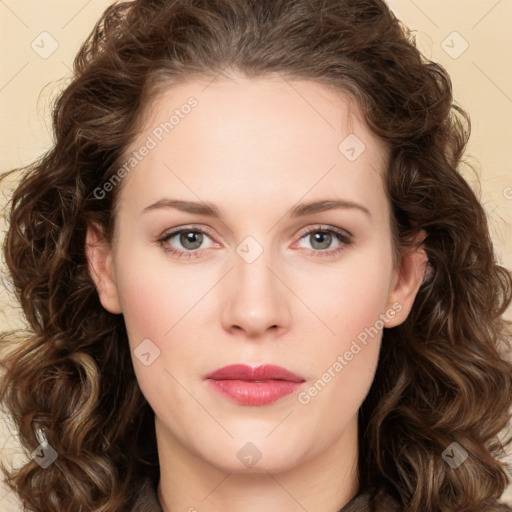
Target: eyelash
column 342, row 236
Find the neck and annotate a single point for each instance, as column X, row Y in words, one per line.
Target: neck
column 325, row 482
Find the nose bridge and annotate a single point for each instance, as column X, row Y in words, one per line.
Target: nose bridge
column 255, row 299
column 255, row 278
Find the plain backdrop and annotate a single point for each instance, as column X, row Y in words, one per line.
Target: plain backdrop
column 471, row 39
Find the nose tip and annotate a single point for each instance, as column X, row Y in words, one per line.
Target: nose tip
column 255, row 302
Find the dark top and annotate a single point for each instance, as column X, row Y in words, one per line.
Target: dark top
column 147, row 501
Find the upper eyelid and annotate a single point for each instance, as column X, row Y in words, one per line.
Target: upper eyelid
column 176, row 231
column 324, row 227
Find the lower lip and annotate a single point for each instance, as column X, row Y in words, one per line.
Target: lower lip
column 254, row 393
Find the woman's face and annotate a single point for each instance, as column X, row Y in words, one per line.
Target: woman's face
column 294, row 269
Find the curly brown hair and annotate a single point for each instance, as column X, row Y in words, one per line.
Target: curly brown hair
column 443, row 375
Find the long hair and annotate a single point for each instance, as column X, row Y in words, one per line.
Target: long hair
column 442, row 377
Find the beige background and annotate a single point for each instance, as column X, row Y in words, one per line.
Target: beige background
column 482, row 78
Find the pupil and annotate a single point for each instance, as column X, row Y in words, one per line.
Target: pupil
column 191, row 240
column 324, row 240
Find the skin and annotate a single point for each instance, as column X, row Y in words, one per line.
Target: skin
column 255, row 148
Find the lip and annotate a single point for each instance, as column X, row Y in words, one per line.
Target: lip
column 248, row 385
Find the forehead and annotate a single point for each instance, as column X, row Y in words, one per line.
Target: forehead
column 249, row 138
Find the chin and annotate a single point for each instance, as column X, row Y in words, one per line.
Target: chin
column 251, row 457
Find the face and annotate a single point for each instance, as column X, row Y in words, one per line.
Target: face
column 285, row 258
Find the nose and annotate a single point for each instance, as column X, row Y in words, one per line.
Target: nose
column 256, row 302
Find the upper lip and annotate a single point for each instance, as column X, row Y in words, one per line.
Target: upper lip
column 251, row 373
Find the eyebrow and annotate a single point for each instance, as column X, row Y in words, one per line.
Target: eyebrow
column 300, row 210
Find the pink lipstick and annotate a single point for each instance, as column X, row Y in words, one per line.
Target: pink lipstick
column 248, row 385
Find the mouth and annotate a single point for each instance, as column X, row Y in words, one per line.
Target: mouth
column 246, row 385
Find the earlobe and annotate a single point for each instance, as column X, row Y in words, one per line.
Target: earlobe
column 99, row 258
column 407, row 281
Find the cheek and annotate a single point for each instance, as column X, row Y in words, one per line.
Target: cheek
column 346, row 355
column 143, row 302
column 157, row 304
column 168, row 305
column 155, row 295
column 351, row 295
column 349, row 303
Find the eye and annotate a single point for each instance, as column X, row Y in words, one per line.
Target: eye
column 188, row 239
column 326, row 241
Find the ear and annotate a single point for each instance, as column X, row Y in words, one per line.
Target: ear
column 99, row 258
column 407, row 281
